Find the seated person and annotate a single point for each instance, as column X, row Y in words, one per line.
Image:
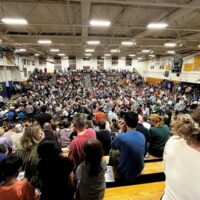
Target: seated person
column 158, row 135
column 131, row 146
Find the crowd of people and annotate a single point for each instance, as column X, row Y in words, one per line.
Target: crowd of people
column 91, row 114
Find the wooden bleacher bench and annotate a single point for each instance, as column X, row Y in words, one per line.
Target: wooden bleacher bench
column 153, row 167
column 151, row 158
column 150, row 191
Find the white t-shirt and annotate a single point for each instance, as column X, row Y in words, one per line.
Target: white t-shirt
column 182, row 170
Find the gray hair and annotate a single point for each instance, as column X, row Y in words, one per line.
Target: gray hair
column 79, row 120
column 18, row 128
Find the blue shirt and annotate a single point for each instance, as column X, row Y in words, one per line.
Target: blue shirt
column 132, row 147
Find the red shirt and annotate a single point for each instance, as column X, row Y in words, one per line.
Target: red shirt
column 76, row 147
column 22, row 190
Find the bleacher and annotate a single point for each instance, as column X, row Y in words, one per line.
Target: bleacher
column 148, row 186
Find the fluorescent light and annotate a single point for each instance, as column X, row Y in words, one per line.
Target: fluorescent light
column 199, row 45
column 171, row 52
column 127, row 43
column 107, row 54
column 115, row 51
column 88, row 54
column 152, row 55
column 14, row 21
column 170, row 44
column 54, row 50
column 103, row 57
column 132, row 55
column 61, row 54
column 66, row 57
column 37, row 54
column 140, row 58
column 93, row 42
column 145, row 51
column 89, row 50
column 123, row 57
column 20, row 50
column 44, row 41
column 157, row 25
column 100, row 23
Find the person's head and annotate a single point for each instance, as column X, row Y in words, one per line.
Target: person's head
column 32, row 135
column 102, row 125
column 3, row 148
column 79, row 121
column 89, row 124
column 140, row 119
column 196, row 115
column 10, row 126
column 131, row 119
column 185, row 127
column 48, row 149
column 156, row 120
column 43, row 108
column 47, row 126
column 18, row 128
column 93, row 153
column 10, row 167
column 66, row 124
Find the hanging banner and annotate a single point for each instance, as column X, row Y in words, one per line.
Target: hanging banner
column 72, row 62
column 114, row 61
column 100, row 63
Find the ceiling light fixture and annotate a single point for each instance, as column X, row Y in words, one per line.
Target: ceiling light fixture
column 93, row 42
column 20, row 50
column 107, row 54
column 132, row 55
column 54, row 50
column 170, row 44
column 157, row 25
column 37, row 54
column 44, row 41
column 127, row 43
column 102, row 23
column 115, row 51
column 61, row 54
column 88, row 54
column 89, row 50
column 171, row 52
column 14, row 21
column 145, row 51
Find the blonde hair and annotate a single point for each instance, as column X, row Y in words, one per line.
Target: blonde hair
column 157, row 119
column 30, row 136
column 185, row 127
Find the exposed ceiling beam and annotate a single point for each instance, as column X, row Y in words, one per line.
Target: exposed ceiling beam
column 120, row 2
column 113, row 27
column 173, row 16
column 85, row 14
column 100, row 37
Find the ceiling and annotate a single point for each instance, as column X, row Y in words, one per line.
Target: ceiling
column 66, row 24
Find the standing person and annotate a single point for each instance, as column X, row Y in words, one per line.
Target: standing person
column 104, row 136
column 90, row 173
column 182, row 160
column 30, row 139
column 76, row 146
column 11, row 188
column 44, row 117
column 158, row 135
column 55, row 172
column 131, row 146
